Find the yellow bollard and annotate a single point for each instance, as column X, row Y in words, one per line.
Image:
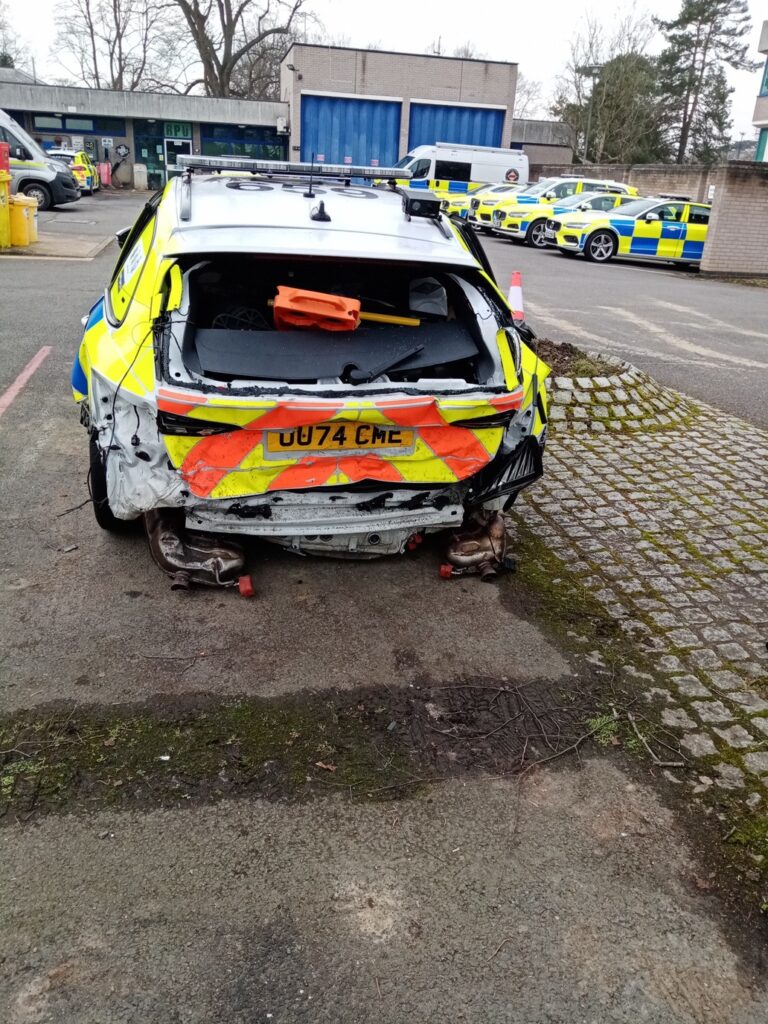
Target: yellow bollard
column 19, row 221
column 5, row 223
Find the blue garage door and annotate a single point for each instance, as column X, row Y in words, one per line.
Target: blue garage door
column 468, row 126
column 336, row 128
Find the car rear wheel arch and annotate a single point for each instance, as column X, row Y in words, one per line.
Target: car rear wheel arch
column 97, row 483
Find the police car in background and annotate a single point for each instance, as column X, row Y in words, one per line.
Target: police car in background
column 460, row 205
column 528, row 223
column 546, row 191
column 652, row 229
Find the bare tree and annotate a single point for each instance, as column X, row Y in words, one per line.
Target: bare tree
column 610, row 84
column 528, row 98
column 117, row 44
column 12, row 51
column 468, row 51
column 227, row 34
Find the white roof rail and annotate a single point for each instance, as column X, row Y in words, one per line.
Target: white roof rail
column 288, row 167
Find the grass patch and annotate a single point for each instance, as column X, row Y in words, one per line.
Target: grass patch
column 567, row 360
column 164, row 755
column 605, row 730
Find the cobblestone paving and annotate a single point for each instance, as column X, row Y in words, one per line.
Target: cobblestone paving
column 669, row 530
column 629, row 400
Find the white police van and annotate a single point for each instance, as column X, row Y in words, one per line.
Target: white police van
column 33, row 173
column 450, row 168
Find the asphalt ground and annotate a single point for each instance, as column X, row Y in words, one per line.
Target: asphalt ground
column 705, row 337
column 574, row 896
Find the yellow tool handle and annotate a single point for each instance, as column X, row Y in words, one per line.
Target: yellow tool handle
column 386, row 318
column 381, row 318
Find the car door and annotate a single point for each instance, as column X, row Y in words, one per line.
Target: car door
column 659, row 232
column 696, row 224
column 85, row 161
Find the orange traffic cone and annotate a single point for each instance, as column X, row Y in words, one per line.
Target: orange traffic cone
column 515, row 297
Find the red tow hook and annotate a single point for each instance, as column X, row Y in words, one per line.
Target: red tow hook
column 414, row 540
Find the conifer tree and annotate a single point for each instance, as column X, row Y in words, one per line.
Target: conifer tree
column 706, row 37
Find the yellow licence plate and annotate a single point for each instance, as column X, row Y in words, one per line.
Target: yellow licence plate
column 339, row 437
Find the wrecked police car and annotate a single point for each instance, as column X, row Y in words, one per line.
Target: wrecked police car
column 286, row 354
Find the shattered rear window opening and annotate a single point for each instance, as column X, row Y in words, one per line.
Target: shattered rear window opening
column 224, row 330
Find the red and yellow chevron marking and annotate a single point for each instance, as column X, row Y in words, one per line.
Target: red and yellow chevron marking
column 235, row 464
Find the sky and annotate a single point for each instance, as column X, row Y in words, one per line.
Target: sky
column 536, row 36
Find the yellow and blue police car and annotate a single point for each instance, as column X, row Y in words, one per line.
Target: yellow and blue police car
column 654, row 229
column 328, row 366
column 82, row 167
column 528, row 223
column 460, row 205
column 546, row 191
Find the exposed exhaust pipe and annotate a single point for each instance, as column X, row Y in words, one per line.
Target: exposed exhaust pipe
column 479, row 549
column 188, row 557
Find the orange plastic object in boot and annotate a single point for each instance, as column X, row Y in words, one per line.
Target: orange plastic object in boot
column 296, row 307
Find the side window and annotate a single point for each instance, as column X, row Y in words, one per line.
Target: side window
column 565, row 188
column 452, row 170
column 606, row 202
column 131, row 260
column 14, row 143
column 698, row 215
column 670, row 211
column 420, row 169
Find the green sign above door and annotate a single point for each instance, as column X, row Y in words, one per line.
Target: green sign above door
column 178, row 130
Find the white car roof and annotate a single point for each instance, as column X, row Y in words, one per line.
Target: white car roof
column 65, row 152
column 260, row 216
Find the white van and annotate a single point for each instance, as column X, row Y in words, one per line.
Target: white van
column 33, row 172
column 450, row 168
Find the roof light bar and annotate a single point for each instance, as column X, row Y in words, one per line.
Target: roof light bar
column 304, row 170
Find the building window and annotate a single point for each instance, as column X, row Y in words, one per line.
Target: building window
column 762, row 146
column 255, row 141
column 764, row 86
column 79, row 125
column 46, row 122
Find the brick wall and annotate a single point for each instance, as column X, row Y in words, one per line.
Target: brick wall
column 403, row 76
column 737, row 240
column 650, row 179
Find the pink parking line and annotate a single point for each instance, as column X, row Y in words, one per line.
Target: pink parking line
column 15, row 389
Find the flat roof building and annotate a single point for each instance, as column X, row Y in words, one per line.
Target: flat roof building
column 154, row 128
column 337, row 104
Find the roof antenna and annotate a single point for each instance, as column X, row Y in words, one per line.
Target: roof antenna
column 310, row 194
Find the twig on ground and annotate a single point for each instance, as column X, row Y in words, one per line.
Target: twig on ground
column 659, row 763
column 498, row 728
column 499, row 948
column 398, row 785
